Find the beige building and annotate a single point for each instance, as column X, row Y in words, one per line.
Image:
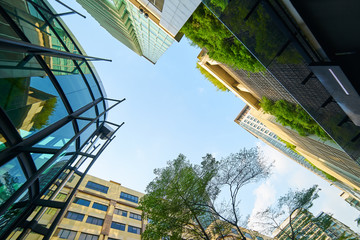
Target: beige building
column 251, row 87
column 101, row 210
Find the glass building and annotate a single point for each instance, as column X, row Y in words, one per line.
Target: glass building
column 300, row 44
column 53, row 110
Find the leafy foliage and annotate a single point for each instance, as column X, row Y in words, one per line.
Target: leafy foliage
column 181, row 200
column 272, row 217
column 212, row 79
column 293, row 116
column 206, row 31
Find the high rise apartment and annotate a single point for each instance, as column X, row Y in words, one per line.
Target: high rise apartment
column 53, row 111
column 305, row 229
column 251, row 87
column 146, row 27
column 256, row 127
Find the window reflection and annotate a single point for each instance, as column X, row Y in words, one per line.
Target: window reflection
column 11, row 179
column 32, row 103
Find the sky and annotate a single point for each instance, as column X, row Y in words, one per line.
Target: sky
column 171, row 108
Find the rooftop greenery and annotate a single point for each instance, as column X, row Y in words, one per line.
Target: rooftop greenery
column 294, row 116
column 206, row 31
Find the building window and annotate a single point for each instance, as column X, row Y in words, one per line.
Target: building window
column 81, row 201
column 75, row 216
column 132, row 229
column 135, row 216
column 120, row 212
column 66, row 234
column 247, row 235
column 95, row 221
column 86, row 236
column 234, row 231
column 99, row 206
column 259, row 238
column 129, row 197
column 97, row 187
column 118, row 226
column 159, row 4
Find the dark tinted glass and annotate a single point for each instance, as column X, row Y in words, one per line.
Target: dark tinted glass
column 118, row 226
column 97, row 187
column 81, row 201
column 129, row 197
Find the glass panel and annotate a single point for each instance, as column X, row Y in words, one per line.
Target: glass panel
column 55, row 167
column 58, row 138
column 75, row 90
column 40, row 158
column 11, row 179
column 87, row 133
column 12, row 213
column 31, row 102
column 93, row 85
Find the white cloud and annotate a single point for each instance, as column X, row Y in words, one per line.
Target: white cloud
column 265, row 196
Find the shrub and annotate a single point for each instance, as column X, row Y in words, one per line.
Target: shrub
column 206, row 31
column 294, row 116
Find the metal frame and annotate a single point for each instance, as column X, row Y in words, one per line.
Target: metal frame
column 21, row 148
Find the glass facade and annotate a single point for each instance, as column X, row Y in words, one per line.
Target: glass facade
column 272, row 37
column 52, row 111
column 152, row 38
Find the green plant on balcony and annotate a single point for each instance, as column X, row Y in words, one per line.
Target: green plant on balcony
column 206, row 31
column 219, row 86
column 294, row 116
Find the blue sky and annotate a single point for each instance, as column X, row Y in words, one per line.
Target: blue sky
column 170, row 109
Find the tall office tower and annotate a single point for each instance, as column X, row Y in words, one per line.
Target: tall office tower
column 100, row 210
column 146, row 27
column 256, row 127
column 311, row 50
column 251, row 87
column 53, row 112
column 304, row 229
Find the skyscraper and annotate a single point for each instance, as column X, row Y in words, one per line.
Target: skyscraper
column 255, row 126
column 53, row 112
column 309, row 48
column 146, row 27
column 251, row 87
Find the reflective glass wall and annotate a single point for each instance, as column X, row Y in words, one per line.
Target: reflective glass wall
column 52, row 111
column 273, row 38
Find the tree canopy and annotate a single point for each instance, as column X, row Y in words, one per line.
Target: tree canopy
column 181, row 200
column 299, row 200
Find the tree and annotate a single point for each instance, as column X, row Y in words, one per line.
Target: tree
column 286, row 207
column 181, row 200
